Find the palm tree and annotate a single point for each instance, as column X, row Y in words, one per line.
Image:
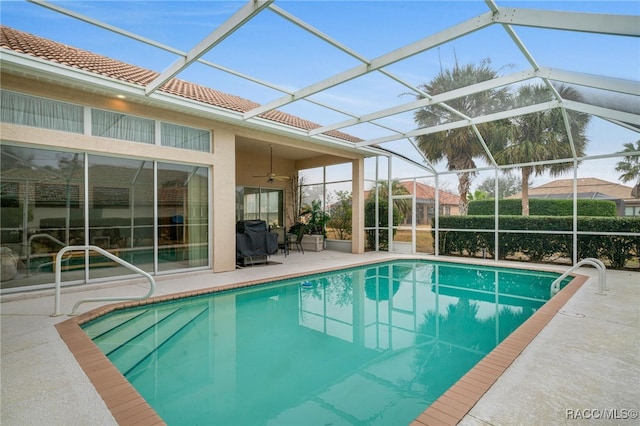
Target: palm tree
column 542, row 136
column 629, row 167
column 459, row 146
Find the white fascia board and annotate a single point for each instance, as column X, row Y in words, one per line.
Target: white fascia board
column 620, row 85
column 429, row 42
column 53, row 71
column 622, row 25
column 464, row 123
column 248, row 11
column 606, row 113
column 38, row 67
column 436, row 99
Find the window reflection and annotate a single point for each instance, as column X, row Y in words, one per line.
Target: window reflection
column 46, row 205
column 182, row 216
column 42, row 200
column 260, row 204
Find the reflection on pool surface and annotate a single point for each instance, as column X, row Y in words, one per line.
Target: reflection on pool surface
column 370, row 345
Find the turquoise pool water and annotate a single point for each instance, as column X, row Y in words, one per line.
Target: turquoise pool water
column 372, row 345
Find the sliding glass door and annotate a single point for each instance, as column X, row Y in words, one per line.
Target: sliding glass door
column 151, row 214
column 182, row 216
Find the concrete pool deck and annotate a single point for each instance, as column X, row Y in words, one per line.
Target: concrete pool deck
column 582, row 364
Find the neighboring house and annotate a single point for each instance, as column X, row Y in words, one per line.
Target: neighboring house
column 589, row 188
column 426, row 201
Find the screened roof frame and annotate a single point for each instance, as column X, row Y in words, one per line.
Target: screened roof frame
column 507, row 18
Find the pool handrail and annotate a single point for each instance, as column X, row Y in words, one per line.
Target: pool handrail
column 152, row 283
column 30, row 241
column 602, row 275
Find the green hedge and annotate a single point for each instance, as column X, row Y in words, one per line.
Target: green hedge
column 613, row 249
column 370, row 221
column 544, row 207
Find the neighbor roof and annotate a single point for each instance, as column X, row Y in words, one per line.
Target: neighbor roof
column 427, row 192
column 594, row 186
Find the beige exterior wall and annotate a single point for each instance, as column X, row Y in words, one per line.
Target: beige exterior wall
column 228, row 164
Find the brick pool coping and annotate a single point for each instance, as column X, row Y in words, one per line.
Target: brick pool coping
column 128, row 407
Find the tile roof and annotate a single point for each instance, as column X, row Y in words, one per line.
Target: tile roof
column 49, row 50
column 585, row 186
column 427, row 192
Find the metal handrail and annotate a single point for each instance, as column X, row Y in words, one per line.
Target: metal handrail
column 602, row 275
column 96, row 299
column 30, row 240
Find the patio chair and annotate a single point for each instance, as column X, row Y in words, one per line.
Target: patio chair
column 283, row 240
column 298, row 241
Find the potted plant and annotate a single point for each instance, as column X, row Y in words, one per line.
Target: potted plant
column 314, row 221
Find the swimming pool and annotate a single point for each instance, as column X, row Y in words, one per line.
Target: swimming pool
column 368, row 345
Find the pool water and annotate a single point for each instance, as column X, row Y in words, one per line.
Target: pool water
column 372, row 345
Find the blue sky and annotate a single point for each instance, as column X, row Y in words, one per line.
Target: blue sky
column 273, row 49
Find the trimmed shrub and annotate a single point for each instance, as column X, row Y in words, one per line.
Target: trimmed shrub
column 370, row 220
column 543, row 207
column 606, row 246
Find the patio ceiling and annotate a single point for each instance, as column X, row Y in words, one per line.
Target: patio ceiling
column 382, row 119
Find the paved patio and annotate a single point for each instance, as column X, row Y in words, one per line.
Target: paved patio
column 584, row 364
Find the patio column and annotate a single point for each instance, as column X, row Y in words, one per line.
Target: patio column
column 223, row 225
column 357, row 220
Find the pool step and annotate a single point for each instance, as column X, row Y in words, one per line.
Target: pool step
column 124, row 328
column 151, row 334
column 111, row 322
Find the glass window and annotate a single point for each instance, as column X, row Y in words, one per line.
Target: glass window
column 42, row 211
column 120, row 213
column 183, row 211
column 260, row 204
column 46, row 205
column 38, row 112
column 185, row 137
column 121, row 126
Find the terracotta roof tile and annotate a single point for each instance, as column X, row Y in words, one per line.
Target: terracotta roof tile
column 585, row 186
column 426, row 192
column 31, row 45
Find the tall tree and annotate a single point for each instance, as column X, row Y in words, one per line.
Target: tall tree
column 542, row 136
column 460, row 147
column 629, row 167
column 341, row 213
column 508, row 185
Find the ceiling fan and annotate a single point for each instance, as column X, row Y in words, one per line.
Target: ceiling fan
column 271, row 177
